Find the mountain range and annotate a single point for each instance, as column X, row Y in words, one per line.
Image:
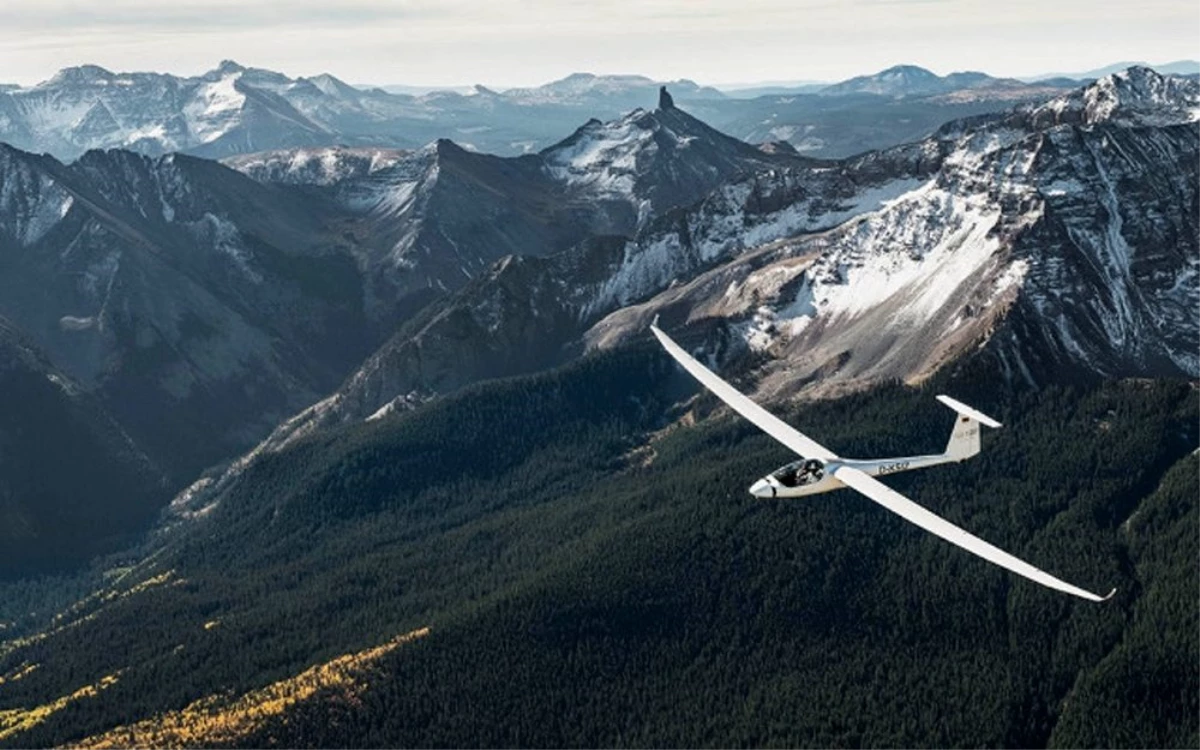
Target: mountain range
column 204, row 307
column 374, row 387
column 883, row 266
column 233, row 109
column 210, row 305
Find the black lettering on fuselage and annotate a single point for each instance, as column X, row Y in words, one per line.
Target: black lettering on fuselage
column 893, row 468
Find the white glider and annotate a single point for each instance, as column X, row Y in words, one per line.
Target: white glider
column 821, row 470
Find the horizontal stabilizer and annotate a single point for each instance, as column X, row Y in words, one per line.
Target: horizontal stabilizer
column 967, row 411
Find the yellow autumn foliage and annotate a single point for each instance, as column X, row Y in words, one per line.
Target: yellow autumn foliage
column 102, row 597
column 223, row 720
column 16, row 720
column 20, row 671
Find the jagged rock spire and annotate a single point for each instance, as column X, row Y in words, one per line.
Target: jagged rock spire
column 664, row 99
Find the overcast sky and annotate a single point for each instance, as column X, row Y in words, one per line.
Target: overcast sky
column 521, row 42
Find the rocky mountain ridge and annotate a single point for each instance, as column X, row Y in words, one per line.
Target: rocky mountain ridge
column 433, row 218
column 202, row 305
column 1050, row 247
column 1057, row 244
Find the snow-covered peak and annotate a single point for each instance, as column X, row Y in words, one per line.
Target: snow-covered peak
column 333, row 86
column 226, row 68
column 1136, row 95
column 617, row 144
column 83, row 73
column 911, row 80
column 80, row 75
column 899, row 80
column 578, row 84
column 591, row 142
column 1140, row 88
column 653, row 160
column 604, row 155
column 906, row 74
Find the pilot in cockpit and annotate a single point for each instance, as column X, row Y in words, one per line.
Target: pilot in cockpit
column 800, row 473
column 810, row 472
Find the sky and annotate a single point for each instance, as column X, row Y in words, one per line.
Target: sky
column 503, row 43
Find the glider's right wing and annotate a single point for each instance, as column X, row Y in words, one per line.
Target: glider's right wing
column 763, row 419
column 910, row 511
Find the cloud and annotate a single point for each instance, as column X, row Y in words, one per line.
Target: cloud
column 192, row 15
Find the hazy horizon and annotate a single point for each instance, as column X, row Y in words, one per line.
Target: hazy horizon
column 456, row 43
column 462, row 85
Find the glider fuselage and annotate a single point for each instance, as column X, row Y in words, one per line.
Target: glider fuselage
column 813, row 476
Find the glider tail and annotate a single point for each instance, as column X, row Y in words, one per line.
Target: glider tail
column 964, row 438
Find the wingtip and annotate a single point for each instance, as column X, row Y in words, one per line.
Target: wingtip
column 1109, row 596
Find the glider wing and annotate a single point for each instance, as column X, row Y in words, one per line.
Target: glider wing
column 763, row 419
column 931, row 522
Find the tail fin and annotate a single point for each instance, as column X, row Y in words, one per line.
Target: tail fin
column 964, row 439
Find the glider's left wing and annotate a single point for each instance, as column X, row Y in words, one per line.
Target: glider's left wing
column 763, row 419
column 910, row 511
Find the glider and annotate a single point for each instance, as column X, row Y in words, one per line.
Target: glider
column 821, row 470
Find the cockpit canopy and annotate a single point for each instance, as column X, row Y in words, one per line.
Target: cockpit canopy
column 799, row 473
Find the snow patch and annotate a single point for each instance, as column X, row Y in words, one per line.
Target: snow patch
column 224, row 237
column 603, row 157
column 651, row 263
column 213, row 110
column 72, row 323
column 923, row 246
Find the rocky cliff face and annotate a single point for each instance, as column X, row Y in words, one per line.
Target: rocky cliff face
column 201, row 305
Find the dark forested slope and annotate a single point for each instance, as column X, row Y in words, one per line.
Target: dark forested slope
column 71, row 482
column 591, row 578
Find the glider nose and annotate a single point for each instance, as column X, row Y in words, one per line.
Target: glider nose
column 762, row 488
